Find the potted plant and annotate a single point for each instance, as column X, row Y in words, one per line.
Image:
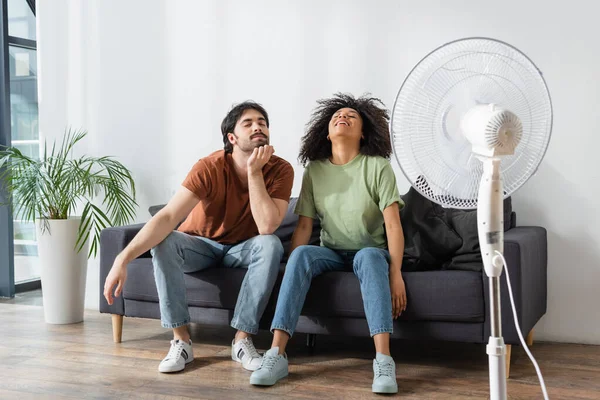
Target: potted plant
column 49, row 191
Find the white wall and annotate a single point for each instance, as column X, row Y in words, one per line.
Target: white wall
column 105, row 71
column 152, row 80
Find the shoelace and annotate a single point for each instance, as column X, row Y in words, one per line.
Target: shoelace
column 268, row 362
column 250, row 349
column 383, row 369
column 175, row 350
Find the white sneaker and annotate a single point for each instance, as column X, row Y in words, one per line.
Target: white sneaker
column 180, row 354
column 245, row 353
column 384, row 370
column 274, row 367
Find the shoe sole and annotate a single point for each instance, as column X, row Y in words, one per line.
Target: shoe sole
column 265, row 382
column 247, row 368
column 384, row 389
column 167, row 371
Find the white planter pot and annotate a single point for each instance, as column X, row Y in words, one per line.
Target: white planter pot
column 63, row 272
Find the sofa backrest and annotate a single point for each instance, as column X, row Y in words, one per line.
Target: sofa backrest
column 461, row 224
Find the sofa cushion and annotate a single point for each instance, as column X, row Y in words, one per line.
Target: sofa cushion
column 212, row 288
column 432, row 295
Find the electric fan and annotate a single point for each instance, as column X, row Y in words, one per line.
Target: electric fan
column 470, row 125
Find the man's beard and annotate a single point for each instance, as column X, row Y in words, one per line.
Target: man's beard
column 247, row 146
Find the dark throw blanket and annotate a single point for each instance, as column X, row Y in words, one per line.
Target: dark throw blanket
column 441, row 238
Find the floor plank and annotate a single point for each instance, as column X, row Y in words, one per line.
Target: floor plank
column 80, row 361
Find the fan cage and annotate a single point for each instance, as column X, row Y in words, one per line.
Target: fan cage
column 428, row 145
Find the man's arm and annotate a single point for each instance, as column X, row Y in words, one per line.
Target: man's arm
column 395, row 241
column 267, row 212
column 153, row 232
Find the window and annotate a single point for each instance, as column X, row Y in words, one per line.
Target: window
column 25, row 136
column 21, row 21
column 19, row 64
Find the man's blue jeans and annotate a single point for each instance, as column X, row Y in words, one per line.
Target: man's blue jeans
column 181, row 253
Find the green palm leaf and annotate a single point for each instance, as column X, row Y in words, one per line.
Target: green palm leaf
column 56, row 185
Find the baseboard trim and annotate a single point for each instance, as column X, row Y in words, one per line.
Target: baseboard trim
column 28, row 286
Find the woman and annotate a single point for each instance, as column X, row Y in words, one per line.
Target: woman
column 350, row 186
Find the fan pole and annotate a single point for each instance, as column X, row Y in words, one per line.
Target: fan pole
column 491, row 239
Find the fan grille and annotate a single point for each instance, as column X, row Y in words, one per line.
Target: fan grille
column 425, row 126
column 509, row 121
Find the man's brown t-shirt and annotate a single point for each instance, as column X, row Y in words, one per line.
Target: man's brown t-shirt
column 223, row 213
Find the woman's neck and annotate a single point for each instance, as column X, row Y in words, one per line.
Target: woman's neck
column 343, row 153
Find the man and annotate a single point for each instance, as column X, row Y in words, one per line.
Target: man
column 234, row 199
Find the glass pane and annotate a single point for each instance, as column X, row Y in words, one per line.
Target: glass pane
column 29, row 149
column 21, row 21
column 23, row 94
column 25, row 136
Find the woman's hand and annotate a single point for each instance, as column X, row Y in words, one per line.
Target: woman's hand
column 398, row 291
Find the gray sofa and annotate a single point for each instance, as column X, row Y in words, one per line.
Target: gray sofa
column 448, row 303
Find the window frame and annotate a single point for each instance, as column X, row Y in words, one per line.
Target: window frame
column 7, row 267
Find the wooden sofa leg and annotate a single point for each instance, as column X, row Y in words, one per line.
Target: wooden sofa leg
column 117, row 327
column 508, row 350
column 529, row 338
column 311, row 339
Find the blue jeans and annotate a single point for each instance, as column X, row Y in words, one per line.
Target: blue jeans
column 181, row 253
column 370, row 265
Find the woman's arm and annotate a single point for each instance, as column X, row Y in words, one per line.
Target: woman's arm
column 395, row 239
column 302, row 232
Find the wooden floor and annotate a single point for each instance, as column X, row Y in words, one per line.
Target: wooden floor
column 80, row 361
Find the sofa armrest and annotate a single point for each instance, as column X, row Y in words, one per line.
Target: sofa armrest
column 112, row 241
column 526, row 254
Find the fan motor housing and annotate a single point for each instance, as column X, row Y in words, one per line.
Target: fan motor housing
column 491, row 130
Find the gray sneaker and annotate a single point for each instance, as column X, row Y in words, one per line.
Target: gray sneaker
column 274, row 367
column 384, row 371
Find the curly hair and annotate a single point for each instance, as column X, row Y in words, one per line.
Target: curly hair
column 375, row 119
